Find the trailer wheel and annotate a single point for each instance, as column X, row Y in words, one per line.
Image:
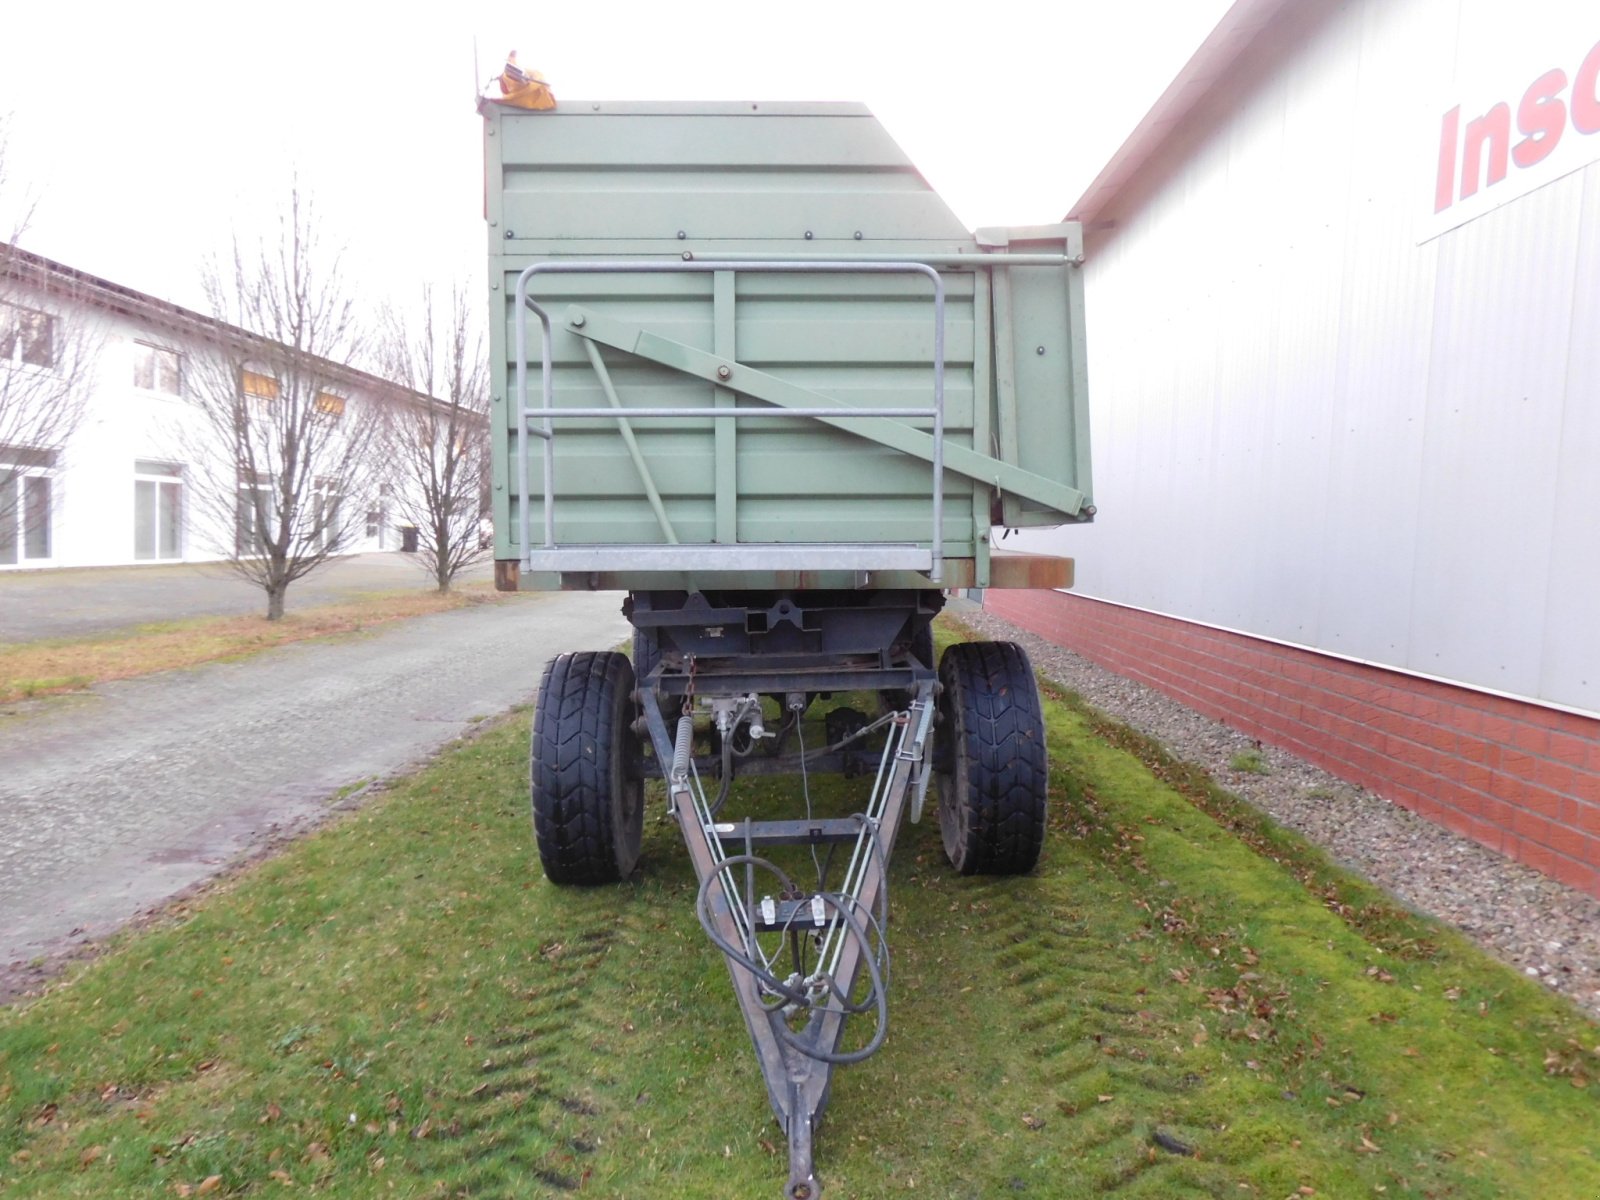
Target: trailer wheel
column 586, row 774
column 646, row 654
column 991, row 763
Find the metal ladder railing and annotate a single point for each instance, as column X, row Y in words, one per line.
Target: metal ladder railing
column 738, row 556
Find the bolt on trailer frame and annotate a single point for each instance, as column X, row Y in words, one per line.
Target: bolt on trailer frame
column 747, row 420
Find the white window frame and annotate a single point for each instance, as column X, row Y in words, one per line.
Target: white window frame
column 16, row 468
column 169, row 475
column 260, row 483
column 142, row 348
column 15, row 355
column 327, row 511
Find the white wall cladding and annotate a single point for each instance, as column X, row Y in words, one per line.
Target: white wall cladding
column 1309, row 424
column 93, row 510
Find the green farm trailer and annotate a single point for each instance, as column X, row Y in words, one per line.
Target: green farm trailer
column 755, row 374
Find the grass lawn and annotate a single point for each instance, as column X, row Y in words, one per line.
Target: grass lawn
column 1182, row 1001
column 48, row 667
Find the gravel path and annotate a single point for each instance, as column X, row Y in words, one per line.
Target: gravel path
column 116, row 800
column 1544, row 928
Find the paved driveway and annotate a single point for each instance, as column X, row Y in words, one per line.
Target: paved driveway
column 112, row 801
column 83, row 600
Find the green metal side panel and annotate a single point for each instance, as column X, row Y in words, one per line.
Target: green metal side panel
column 666, row 182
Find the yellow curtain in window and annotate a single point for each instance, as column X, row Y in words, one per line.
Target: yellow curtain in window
column 263, row 387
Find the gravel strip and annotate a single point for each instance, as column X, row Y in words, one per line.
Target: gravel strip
column 1545, row 929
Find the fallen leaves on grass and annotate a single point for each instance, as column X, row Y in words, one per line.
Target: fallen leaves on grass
column 207, row 1186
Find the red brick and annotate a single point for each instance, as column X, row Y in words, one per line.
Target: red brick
column 1573, row 874
column 1497, row 730
column 1468, row 802
column 1458, row 821
column 1575, row 845
column 1467, row 773
column 1513, row 763
column 1498, row 812
column 1573, row 723
column 1503, row 771
column 1527, row 796
column 1530, row 738
column 1574, row 751
column 1540, row 858
column 1582, row 816
column 1462, row 718
column 1485, row 833
column 1531, row 827
column 1553, row 775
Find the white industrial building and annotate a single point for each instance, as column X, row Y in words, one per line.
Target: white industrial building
column 120, row 488
column 1343, row 304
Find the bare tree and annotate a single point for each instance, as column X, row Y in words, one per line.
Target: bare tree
column 438, row 448
column 47, row 348
column 283, row 453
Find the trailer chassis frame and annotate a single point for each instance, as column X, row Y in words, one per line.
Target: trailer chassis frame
column 797, row 1066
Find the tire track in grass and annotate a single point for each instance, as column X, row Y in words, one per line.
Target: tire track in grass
column 1100, row 1058
column 533, row 1112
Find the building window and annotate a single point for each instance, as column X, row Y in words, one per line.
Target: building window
column 330, row 406
column 157, row 510
column 156, row 369
column 327, row 502
column 252, row 514
column 26, row 494
column 27, row 336
column 258, row 385
column 375, row 523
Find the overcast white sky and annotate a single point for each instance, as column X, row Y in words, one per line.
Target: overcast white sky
column 152, row 133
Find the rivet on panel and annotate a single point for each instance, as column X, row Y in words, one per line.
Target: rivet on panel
column 808, row 235
column 682, row 234
column 1040, row 350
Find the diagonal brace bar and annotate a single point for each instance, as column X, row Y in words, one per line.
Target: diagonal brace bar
column 635, row 339
column 632, row 443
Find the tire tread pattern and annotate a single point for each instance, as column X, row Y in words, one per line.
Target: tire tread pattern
column 998, row 724
column 583, row 697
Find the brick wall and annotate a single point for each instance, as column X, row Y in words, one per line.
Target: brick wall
column 1518, row 777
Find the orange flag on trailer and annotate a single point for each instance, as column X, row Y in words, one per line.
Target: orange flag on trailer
column 524, row 89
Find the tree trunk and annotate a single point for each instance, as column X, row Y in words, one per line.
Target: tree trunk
column 275, row 595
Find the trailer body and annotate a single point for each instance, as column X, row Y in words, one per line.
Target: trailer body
column 703, row 194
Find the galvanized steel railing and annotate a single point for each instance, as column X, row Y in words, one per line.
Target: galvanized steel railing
column 863, row 556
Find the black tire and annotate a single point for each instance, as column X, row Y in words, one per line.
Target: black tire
column 991, row 770
column 586, row 774
column 646, row 654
